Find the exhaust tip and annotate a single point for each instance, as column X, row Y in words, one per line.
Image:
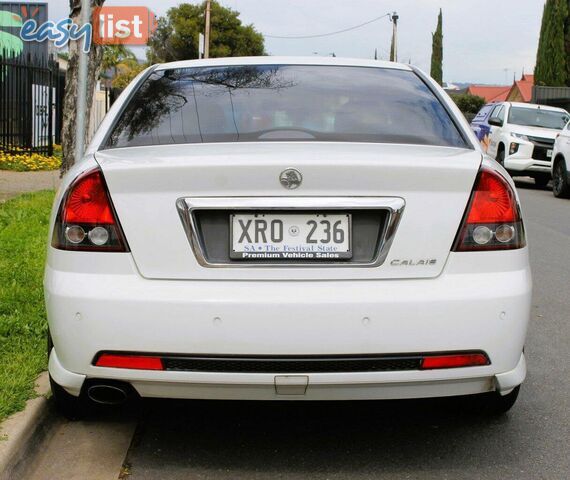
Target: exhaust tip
column 105, row 394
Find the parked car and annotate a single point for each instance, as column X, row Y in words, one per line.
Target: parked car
column 286, row 229
column 561, row 164
column 521, row 136
column 480, row 125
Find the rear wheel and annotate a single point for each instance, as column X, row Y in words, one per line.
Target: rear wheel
column 560, row 183
column 496, row 404
column 541, row 180
column 71, row 407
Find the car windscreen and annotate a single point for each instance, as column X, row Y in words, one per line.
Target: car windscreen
column 261, row 103
column 534, row 117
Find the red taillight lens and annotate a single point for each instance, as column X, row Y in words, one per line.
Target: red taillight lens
column 86, row 220
column 492, row 220
column 88, row 202
column 454, row 361
column 133, row 362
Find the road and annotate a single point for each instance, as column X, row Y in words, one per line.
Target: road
column 436, row 439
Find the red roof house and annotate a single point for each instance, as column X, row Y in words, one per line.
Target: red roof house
column 490, row 93
column 521, row 91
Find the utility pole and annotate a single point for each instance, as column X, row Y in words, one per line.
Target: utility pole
column 394, row 17
column 82, row 87
column 207, row 29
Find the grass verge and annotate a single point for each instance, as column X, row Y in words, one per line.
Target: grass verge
column 23, row 234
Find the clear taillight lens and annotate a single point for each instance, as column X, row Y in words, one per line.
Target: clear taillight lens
column 86, row 219
column 492, row 220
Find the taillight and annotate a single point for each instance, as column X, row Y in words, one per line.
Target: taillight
column 492, row 220
column 132, row 362
column 86, row 219
column 454, row 361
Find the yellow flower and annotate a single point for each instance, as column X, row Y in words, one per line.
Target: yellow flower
column 22, row 159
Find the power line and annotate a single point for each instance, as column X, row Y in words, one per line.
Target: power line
column 300, row 37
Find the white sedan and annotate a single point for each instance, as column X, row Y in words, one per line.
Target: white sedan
column 561, row 164
column 286, row 229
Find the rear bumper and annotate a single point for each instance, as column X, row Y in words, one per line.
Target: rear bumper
column 346, row 386
column 460, row 310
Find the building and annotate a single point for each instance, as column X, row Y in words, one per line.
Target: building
column 451, row 88
column 489, row 93
column 521, row 91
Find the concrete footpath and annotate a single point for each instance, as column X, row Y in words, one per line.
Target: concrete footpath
column 91, row 449
column 21, row 433
column 15, row 183
column 40, row 444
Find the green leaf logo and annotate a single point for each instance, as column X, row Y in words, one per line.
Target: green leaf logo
column 10, row 45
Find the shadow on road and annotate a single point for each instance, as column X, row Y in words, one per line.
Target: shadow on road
column 527, row 183
column 199, row 439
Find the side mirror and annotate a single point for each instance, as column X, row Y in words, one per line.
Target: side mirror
column 496, row 122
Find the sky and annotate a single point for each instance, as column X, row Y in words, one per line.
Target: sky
column 485, row 41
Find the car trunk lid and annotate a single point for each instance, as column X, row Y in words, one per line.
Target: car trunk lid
column 150, row 185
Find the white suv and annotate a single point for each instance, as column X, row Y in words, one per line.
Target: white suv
column 286, row 229
column 561, row 164
column 522, row 138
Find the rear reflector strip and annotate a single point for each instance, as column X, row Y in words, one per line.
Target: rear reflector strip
column 132, row 362
column 293, row 364
column 454, row 361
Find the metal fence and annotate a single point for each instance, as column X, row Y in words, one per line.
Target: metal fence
column 553, row 96
column 30, row 103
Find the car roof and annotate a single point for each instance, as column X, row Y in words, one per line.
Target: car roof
column 269, row 60
column 534, row 106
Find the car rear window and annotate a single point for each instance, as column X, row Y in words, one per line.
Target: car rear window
column 483, row 113
column 265, row 103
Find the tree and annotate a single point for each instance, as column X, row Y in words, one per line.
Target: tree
column 176, row 37
column 567, row 45
column 71, row 87
column 552, row 63
column 127, row 72
column 115, row 57
column 437, row 51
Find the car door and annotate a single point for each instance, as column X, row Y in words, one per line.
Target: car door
column 480, row 126
column 495, row 132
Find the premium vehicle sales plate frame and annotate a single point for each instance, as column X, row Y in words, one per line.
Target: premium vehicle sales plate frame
column 290, row 236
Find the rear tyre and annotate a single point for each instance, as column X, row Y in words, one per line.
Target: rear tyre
column 560, row 181
column 541, row 181
column 71, row 407
column 495, row 404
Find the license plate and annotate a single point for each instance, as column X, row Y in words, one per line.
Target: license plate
column 290, row 236
column 549, row 153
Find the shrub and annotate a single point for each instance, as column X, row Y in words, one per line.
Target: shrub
column 468, row 103
column 22, row 160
